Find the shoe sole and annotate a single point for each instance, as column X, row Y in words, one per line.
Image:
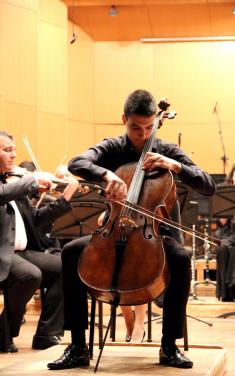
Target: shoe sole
column 164, row 362
column 57, row 368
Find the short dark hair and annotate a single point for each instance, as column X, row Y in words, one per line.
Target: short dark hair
column 140, row 102
column 5, row 134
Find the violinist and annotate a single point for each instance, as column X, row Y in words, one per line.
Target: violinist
column 99, row 163
column 24, row 266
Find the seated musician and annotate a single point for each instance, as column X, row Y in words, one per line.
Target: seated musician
column 24, row 266
column 225, row 254
column 99, row 164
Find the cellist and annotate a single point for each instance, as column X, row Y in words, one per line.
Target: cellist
column 99, row 164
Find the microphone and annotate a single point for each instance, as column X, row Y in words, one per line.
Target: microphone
column 74, row 38
column 179, row 138
column 215, row 108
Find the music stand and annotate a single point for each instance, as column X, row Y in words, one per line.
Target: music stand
column 222, row 203
column 83, row 218
column 189, row 213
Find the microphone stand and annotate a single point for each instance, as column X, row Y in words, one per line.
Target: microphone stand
column 224, row 157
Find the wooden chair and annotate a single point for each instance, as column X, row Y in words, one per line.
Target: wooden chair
column 113, row 326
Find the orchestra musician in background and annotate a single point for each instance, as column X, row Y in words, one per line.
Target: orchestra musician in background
column 225, row 253
column 24, row 266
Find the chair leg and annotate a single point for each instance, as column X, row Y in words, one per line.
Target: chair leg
column 149, row 332
column 113, row 325
column 92, row 327
column 100, row 306
column 185, row 335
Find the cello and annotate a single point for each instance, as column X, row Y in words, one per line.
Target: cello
column 125, row 263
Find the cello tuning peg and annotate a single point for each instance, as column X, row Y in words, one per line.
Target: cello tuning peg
column 163, row 104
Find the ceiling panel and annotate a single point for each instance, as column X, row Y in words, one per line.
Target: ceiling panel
column 149, row 18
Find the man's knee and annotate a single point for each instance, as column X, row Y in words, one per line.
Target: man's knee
column 34, row 277
column 185, row 258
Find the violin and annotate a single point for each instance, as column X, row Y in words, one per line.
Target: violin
column 53, row 190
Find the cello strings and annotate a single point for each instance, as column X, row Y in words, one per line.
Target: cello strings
column 156, row 217
column 138, row 177
column 169, row 222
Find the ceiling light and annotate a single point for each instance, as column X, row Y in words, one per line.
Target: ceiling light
column 188, row 39
column 113, row 11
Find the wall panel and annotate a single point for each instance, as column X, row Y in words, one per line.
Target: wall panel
column 1, row 113
column 21, row 120
column 53, row 12
column 81, row 137
column 27, row 4
column 52, row 69
column 111, row 130
column 119, row 69
column 19, row 27
column 52, row 141
column 80, row 77
column 1, row 50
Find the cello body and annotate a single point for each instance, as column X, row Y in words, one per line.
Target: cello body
column 125, row 263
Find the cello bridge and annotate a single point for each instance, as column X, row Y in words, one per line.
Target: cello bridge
column 125, row 221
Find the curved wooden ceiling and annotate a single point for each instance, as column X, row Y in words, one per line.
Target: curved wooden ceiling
column 152, row 18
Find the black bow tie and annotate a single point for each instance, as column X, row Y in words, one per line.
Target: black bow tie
column 3, row 177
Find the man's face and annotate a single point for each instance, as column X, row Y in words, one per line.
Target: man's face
column 138, row 129
column 7, row 154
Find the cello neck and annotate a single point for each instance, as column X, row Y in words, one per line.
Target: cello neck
column 138, row 178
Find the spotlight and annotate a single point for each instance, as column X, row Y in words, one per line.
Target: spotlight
column 233, row 10
column 113, row 11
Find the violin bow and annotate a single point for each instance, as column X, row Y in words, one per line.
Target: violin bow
column 43, row 194
column 38, row 169
column 169, row 222
column 30, row 151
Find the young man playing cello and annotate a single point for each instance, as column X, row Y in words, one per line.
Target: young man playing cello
column 99, row 163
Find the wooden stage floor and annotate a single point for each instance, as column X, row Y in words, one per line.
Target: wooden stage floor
column 212, row 349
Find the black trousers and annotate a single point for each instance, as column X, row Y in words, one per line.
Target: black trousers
column 175, row 299
column 30, row 270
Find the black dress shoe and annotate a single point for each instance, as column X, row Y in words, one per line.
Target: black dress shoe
column 11, row 348
column 44, row 342
column 173, row 357
column 72, row 357
column 128, row 338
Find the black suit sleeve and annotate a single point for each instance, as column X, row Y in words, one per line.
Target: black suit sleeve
column 13, row 191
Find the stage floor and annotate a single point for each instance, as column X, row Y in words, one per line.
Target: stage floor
column 213, row 355
column 124, row 361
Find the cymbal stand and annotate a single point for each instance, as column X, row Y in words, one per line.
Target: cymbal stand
column 193, row 281
column 206, row 245
column 193, row 263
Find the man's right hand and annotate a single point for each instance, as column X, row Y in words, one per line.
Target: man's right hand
column 44, row 180
column 116, row 188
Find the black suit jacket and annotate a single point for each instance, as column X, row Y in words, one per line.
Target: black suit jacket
column 32, row 217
